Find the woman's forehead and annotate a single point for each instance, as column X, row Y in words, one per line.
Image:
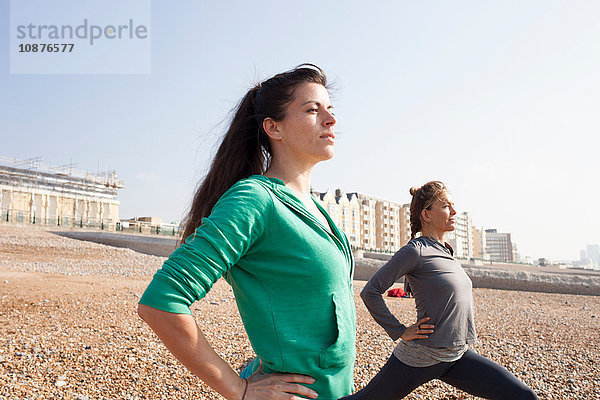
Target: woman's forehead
column 310, row 91
column 445, row 196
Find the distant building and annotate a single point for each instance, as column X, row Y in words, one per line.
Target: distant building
column 585, row 261
column 35, row 192
column 498, row 246
column 479, row 244
column 515, row 254
column 387, row 228
column 344, row 210
column 142, row 221
column 370, row 223
column 376, row 224
column 593, row 253
column 544, row 262
column 461, row 239
column 583, row 258
column 405, row 230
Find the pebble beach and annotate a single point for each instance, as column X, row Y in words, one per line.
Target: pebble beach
column 69, row 329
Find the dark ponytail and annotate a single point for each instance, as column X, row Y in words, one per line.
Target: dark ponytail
column 422, row 199
column 246, row 149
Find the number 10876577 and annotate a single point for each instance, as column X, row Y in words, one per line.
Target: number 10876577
column 46, row 47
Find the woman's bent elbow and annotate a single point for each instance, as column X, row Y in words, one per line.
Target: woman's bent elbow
column 143, row 311
column 368, row 293
column 364, row 293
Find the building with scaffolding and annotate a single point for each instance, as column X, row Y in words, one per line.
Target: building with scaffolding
column 32, row 191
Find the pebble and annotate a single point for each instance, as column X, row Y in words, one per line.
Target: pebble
column 83, row 339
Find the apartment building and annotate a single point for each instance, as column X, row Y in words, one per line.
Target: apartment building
column 377, row 224
column 461, row 239
column 479, row 244
column 498, row 246
column 344, row 210
column 369, row 222
column 405, row 230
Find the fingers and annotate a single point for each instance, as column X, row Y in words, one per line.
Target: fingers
column 422, row 327
column 422, row 334
column 296, row 378
column 284, row 390
column 280, row 386
column 420, row 330
column 279, row 391
column 425, row 329
column 301, row 390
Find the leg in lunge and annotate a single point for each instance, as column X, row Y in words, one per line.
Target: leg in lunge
column 396, row 379
column 482, row 377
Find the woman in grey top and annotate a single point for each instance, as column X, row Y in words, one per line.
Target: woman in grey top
column 437, row 346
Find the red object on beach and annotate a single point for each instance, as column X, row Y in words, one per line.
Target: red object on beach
column 397, row 293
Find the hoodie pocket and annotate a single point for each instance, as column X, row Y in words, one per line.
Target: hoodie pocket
column 342, row 351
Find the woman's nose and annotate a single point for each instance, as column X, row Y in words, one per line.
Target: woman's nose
column 330, row 119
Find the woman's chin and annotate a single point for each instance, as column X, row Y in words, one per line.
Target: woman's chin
column 327, row 154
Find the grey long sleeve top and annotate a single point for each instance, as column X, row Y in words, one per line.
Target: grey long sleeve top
column 442, row 291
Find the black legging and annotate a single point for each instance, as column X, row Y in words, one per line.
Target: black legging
column 471, row 373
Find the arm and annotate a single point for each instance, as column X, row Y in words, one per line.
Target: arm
column 236, row 221
column 187, row 343
column 403, row 262
column 185, row 340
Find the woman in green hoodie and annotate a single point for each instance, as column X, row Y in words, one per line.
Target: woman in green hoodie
column 254, row 222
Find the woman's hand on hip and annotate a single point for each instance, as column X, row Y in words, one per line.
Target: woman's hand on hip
column 420, row 330
column 263, row 386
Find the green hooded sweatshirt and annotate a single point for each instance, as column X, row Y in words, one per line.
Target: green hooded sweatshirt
column 291, row 277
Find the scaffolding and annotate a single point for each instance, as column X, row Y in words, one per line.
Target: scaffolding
column 32, row 191
column 62, row 174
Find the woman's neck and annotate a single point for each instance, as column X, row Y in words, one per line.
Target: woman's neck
column 295, row 177
column 439, row 236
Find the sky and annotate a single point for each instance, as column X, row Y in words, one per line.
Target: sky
column 500, row 100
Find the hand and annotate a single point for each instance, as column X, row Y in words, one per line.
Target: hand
column 263, row 386
column 418, row 330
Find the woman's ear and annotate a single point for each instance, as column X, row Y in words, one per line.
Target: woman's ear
column 425, row 215
column 271, row 128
